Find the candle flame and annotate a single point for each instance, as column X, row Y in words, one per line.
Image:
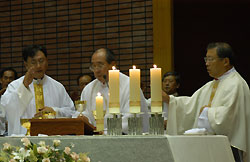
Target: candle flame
column 113, row 67
column 134, row 67
column 98, row 94
column 155, row 66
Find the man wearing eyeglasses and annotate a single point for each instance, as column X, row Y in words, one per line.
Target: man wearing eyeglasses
column 35, row 93
column 102, row 60
column 222, row 106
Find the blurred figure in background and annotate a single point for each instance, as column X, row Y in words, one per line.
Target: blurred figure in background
column 7, row 75
column 82, row 81
column 170, row 85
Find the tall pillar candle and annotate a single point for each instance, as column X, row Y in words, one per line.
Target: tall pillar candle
column 156, row 89
column 114, row 91
column 134, row 88
column 99, row 113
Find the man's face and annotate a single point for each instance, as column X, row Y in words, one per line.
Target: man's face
column 8, row 76
column 100, row 66
column 40, row 64
column 215, row 65
column 169, row 85
column 83, row 81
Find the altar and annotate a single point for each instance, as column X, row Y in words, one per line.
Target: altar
column 145, row 148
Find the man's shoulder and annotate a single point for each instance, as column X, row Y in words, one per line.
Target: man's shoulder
column 53, row 81
column 237, row 79
column 124, row 79
column 17, row 81
column 91, row 84
column 123, row 76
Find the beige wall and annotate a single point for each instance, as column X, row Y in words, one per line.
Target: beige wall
column 162, row 34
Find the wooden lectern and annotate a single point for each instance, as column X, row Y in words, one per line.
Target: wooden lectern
column 61, row 126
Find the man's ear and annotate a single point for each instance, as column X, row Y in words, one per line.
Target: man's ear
column 226, row 61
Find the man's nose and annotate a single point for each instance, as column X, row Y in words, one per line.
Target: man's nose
column 38, row 64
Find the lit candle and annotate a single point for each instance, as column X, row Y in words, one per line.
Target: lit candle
column 134, row 88
column 99, row 113
column 156, row 89
column 114, row 96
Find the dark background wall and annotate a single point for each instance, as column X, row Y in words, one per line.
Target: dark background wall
column 197, row 23
column 73, row 29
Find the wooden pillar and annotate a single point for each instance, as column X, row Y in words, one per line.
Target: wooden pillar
column 163, row 34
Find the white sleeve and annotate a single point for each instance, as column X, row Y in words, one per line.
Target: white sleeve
column 15, row 101
column 24, row 95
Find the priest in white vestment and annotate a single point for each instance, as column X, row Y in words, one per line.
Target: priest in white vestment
column 222, row 106
column 102, row 61
column 20, row 101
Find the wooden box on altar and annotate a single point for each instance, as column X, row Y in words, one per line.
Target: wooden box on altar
column 61, row 126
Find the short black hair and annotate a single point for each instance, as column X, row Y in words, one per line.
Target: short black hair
column 31, row 50
column 224, row 50
column 8, row 69
column 110, row 57
column 81, row 75
column 173, row 73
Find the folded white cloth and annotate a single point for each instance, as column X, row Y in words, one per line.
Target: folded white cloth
column 198, row 131
column 17, row 135
column 42, row 135
column 203, row 121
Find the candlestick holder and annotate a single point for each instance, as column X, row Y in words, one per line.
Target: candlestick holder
column 135, row 124
column 156, row 124
column 114, row 125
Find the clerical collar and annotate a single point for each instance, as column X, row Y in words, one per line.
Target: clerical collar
column 226, row 74
column 38, row 81
column 105, row 84
column 175, row 94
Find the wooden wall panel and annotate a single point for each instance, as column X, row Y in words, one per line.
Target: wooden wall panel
column 72, row 29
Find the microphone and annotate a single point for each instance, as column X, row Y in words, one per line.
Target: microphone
column 105, row 78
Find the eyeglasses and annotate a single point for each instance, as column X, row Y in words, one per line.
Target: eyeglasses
column 210, row 59
column 97, row 66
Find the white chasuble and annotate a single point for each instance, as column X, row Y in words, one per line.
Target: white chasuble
column 228, row 115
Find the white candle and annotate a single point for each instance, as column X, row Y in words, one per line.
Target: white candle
column 99, row 112
column 134, row 88
column 114, row 93
column 99, row 106
column 156, row 89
